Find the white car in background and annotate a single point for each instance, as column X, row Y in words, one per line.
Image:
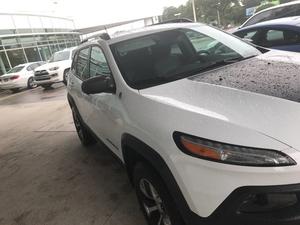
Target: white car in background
column 56, row 70
column 21, row 76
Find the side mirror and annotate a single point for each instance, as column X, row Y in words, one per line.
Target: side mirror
column 98, row 84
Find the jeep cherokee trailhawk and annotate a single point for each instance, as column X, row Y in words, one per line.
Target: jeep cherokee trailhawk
column 206, row 124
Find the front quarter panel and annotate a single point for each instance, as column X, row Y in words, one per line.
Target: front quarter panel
column 204, row 184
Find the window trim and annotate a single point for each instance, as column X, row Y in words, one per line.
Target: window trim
column 90, row 46
column 96, row 45
column 75, row 61
column 108, row 63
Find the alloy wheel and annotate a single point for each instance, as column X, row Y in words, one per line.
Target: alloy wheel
column 153, row 204
column 31, row 83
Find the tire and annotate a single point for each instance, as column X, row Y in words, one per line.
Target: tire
column 30, row 83
column 83, row 133
column 46, row 86
column 158, row 210
column 65, row 78
column 15, row 90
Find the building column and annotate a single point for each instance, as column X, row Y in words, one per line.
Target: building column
column 2, row 66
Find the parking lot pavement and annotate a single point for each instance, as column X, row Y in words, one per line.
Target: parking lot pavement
column 47, row 177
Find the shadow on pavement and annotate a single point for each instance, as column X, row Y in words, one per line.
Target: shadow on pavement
column 58, row 91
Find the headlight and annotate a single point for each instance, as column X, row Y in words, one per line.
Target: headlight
column 54, row 68
column 230, row 154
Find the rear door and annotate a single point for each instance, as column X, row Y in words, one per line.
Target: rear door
column 27, row 72
column 105, row 118
column 30, row 69
column 79, row 73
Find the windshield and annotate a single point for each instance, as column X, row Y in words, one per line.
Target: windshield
column 60, row 56
column 170, row 55
column 16, row 69
column 280, row 12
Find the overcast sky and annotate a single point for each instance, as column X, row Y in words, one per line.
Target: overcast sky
column 91, row 12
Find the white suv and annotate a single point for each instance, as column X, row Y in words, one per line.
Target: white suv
column 56, row 70
column 206, row 124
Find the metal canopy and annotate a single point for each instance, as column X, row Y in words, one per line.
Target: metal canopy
column 89, row 30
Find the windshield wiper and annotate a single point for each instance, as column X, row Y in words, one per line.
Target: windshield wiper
column 223, row 62
column 207, row 67
column 164, row 79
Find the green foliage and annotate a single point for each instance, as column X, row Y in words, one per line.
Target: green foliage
column 251, row 3
column 170, row 12
column 285, row 1
column 265, row 6
column 230, row 11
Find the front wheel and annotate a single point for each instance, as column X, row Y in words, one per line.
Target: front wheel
column 154, row 198
column 30, row 83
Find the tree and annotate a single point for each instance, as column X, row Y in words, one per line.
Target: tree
column 265, row 6
column 170, row 12
column 230, row 11
column 251, row 3
column 285, row 1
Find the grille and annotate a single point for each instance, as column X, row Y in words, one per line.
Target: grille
column 41, row 78
column 41, row 73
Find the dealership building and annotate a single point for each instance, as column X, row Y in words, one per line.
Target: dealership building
column 29, row 38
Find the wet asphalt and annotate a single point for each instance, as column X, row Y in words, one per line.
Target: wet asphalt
column 47, row 176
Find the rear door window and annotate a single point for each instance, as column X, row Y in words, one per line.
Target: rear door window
column 280, row 37
column 275, row 35
column 33, row 66
column 29, row 68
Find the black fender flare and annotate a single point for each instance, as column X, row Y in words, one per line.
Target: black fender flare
column 71, row 100
column 152, row 157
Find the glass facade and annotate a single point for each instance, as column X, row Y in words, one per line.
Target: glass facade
column 29, row 38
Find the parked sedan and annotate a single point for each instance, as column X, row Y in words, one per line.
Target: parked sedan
column 282, row 34
column 20, row 76
column 280, row 11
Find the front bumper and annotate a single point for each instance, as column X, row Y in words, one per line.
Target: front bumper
column 214, row 192
column 271, row 205
column 49, row 78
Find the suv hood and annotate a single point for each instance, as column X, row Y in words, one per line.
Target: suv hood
column 261, row 94
column 47, row 66
column 275, row 74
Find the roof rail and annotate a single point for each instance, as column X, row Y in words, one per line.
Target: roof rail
column 181, row 20
column 103, row 36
